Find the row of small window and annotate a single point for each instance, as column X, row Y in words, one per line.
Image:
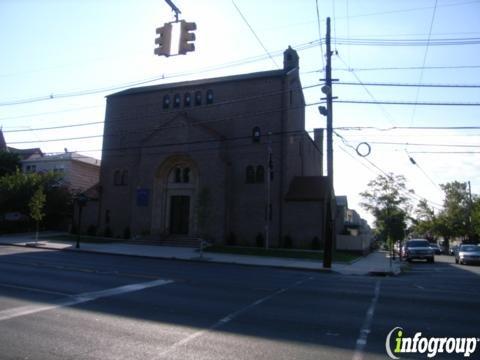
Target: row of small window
column 254, row 175
column 187, row 99
column 120, row 177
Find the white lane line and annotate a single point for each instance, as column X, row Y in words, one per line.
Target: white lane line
column 34, row 289
column 78, row 299
column 367, row 322
column 229, row 318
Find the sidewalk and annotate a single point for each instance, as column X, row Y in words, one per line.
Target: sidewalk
column 376, row 263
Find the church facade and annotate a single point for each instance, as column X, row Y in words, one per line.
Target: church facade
column 224, row 159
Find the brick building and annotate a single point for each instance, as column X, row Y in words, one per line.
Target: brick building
column 213, row 158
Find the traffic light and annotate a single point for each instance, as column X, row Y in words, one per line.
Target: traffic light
column 164, row 41
column 186, row 36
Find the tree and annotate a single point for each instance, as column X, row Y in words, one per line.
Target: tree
column 36, row 206
column 386, row 199
column 457, row 218
column 17, row 190
column 9, row 163
column 424, row 223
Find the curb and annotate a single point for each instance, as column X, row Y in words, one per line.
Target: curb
column 196, row 260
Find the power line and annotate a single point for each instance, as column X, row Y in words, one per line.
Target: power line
column 409, row 128
column 388, row 68
column 410, row 195
column 421, row 103
column 417, row 94
column 216, row 104
column 408, row 42
column 385, row 112
column 463, row 86
column 255, row 34
column 423, row 144
column 445, row 152
column 320, row 34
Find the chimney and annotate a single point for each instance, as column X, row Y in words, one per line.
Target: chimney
column 290, row 59
column 318, row 140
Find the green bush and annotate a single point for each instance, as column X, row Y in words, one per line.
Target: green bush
column 92, row 230
column 231, row 239
column 287, row 242
column 260, row 240
column 108, row 232
column 127, row 233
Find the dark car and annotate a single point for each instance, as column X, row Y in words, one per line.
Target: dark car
column 467, row 254
column 436, row 248
column 419, row 249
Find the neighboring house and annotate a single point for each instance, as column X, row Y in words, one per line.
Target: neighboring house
column 353, row 232
column 78, row 172
column 192, row 159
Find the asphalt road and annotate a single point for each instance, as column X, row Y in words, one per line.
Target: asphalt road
column 67, row 305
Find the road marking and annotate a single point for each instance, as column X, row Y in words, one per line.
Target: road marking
column 34, row 289
column 419, row 287
column 367, row 323
column 79, row 299
column 229, row 318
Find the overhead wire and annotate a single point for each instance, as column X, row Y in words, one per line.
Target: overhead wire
column 254, row 34
column 320, row 34
column 417, row 94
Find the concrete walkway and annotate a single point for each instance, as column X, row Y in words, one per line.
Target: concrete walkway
column 376, row 263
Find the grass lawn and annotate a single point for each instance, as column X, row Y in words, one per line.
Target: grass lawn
column 83, row 238
column 338, row 256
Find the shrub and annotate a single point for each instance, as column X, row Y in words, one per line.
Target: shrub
column 316, row 243
column 231, row 239
column 260, row 240
column 108, row 232
column 287, row 242
column 92, row 230
column 127, row 233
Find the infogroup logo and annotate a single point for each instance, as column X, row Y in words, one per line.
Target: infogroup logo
column 432, row 346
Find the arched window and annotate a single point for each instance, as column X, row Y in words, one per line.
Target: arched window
column 249, row 175
column 176, row 101
column 198, row 98
column 187, row 99
column 166, row 101
column 117, row 178
column 124, row 180
column 260, row 174
column 209, row 97
column 256, row 134
column 178, row 175
column 186, row 175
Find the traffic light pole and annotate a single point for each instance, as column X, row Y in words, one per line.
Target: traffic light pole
column 330, row 218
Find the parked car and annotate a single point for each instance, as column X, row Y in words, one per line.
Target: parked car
column 453, row 249
column 419, row 249
column 436, row 248
column 467, row 254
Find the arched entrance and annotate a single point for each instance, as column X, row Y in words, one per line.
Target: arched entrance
column 174, row 193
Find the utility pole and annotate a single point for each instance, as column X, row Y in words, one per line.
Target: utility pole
column 327, row 90
column 470, row 203
column 268, row 195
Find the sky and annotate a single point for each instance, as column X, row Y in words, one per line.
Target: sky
column 60, row 58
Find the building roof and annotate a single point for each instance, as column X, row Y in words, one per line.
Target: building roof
column 25, row 154
column 342, row 200
column 308, row 188
column 193, row 83
column 66, row 156
column 3, row 144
